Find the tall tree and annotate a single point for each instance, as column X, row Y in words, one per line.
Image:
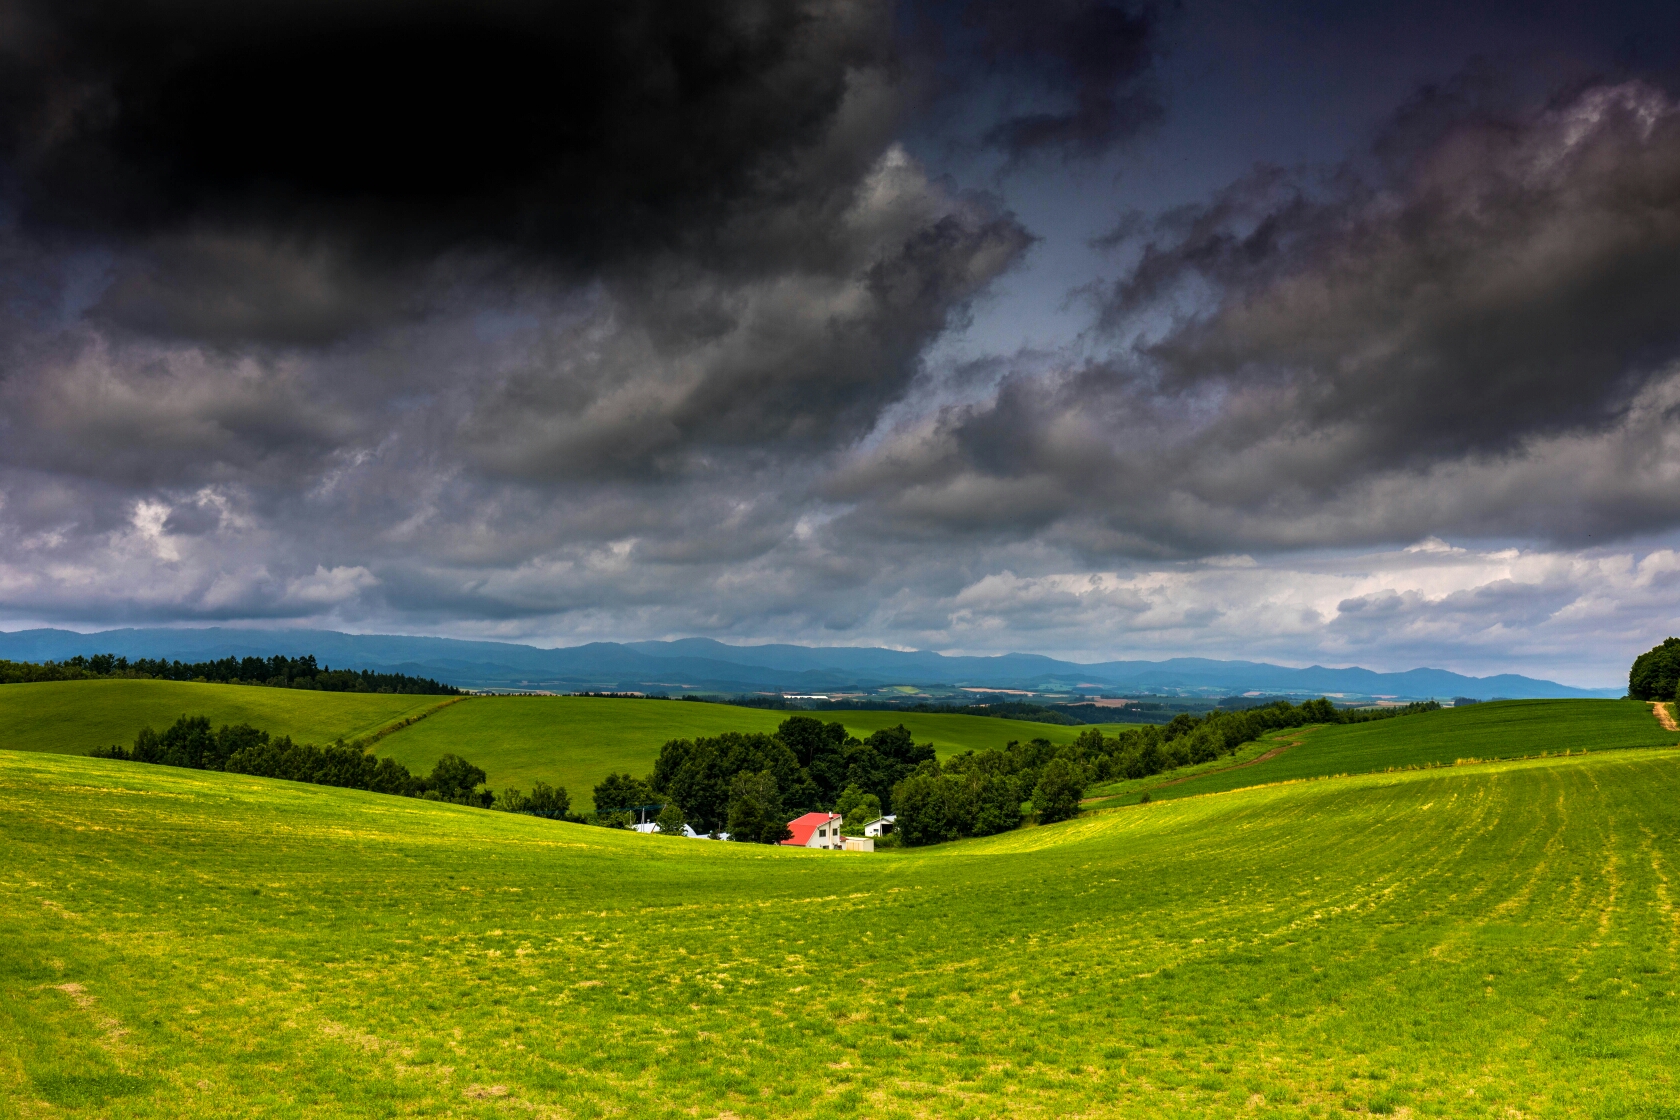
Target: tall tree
column 755, row 809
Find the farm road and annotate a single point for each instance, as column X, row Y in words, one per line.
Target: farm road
column 1664, row 716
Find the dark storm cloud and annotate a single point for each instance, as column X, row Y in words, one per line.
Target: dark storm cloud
column 572, row 129
column 1075, row 76
column 269, row 167
column 1482, row 340
column 456, row 310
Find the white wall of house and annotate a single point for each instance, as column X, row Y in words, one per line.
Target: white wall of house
column 828, row 835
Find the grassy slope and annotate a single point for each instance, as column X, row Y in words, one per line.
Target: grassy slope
column 73, row 717
column 1507, row 729
column 1473, row 941
column 575, row 741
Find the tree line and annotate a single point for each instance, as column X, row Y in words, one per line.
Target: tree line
column 273, row 672
column 242, row 749
column 750, row 784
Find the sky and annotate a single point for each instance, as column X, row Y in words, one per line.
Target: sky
column 1309, row 333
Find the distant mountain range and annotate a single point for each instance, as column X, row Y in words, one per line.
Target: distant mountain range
column 701, row 665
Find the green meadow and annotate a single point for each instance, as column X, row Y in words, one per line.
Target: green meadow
column 575, row 741
column 1506, row 729
column 1496, row 940
column 73, row 717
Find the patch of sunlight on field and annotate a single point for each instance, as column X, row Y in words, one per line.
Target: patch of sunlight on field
column 1482, row 940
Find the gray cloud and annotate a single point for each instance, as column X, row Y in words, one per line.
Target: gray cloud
column 1483, row 344
column 672, row 375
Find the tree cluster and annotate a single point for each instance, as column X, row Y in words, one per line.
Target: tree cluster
column 979, row 793
column 1656, row 673
column 1185, row 740
column 749, row 784
column 243, row 749
column 275, row 672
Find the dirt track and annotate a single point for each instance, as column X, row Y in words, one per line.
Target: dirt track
column 1663, row 717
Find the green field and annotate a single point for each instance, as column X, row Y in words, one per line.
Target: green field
column 73, row 717
column 1490, row 940
column 575, row 741
column 1507, row 729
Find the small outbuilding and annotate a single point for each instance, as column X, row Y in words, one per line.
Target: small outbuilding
column 880, row 826
column 687, row 830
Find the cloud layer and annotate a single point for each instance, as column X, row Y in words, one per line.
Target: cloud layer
column 615, row 323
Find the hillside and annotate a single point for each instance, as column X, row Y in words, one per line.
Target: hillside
column 1507, row 729
column 575, row 741
column 1475, row 941
column 73, row 717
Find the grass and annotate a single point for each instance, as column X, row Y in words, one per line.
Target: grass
column 1487, row 940
column 1507, row 729
column 565, row 740
column 575, row 741
column 73, row 717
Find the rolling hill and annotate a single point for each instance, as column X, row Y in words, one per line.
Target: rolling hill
column 1508, row 729
column 73, row 717
column 569, row 741
column 1482, row 940
column 576, row 741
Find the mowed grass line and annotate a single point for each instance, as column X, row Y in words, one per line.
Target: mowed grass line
column 1470, row 941
column 575, row 741
column 1506, row 729
column 73, row 717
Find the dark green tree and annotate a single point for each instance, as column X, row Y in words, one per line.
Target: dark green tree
column 755, row 809
column 455, row 779
column 1057, row 795
column 924, row 811
column 623, row 793
column 548, row 801
column 857, row 808
column 671, row 820
column 697, row 775
column 1656, row 672
column 994, row 804
column 819, row 748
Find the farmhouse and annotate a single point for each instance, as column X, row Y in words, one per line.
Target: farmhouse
column 816, row 830
column 822, row 830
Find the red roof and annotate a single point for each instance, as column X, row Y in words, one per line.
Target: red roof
column 806, row 825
